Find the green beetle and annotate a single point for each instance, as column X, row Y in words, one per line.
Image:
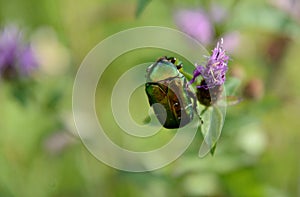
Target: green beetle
column 166, row 86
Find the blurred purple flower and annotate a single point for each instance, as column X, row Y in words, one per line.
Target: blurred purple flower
column 217, row 13
column 214, row 72
column 231, row 41
column 291, row 7
column 57, row 142
column 16, row 57
column 196, row 23
column 200, row 25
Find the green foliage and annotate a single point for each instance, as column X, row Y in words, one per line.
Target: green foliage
column 141, row 6
column 42, row 155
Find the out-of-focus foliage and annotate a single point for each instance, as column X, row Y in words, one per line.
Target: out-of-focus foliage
column 141, row 5
column 257, row 155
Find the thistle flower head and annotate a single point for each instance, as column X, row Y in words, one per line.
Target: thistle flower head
column 16, row 57
column 213, row 73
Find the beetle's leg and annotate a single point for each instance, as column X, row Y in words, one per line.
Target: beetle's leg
column 179, row 66
column 162, row 59
column 193, row 96
column 172, row 59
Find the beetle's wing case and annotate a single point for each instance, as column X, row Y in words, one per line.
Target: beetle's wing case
column 168, row 87
column 179, row 101
column 158, row 94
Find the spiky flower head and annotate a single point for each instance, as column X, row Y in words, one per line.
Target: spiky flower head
column 213, row 76
column 213, row 73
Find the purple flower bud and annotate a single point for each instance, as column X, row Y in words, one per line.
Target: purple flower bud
column 16, row 58
column 213, row 73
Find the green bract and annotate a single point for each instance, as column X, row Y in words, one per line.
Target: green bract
column 169, row 94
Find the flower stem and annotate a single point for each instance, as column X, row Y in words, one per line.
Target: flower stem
column 188, row 76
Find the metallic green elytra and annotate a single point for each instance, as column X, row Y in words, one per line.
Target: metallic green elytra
column 165, row 85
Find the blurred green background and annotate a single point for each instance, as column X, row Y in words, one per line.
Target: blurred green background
column 257, row 155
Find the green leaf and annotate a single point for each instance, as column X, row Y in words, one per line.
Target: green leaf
column 212, row 150
column 141, row 5
column 213, row 121
column 53, row 99
column 231, row 85
column 22, row 91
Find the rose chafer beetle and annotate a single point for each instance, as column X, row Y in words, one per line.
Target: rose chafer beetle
column 166, row 86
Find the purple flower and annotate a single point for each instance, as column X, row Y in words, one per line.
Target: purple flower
column 232, row 41
column 217, row 13
column 196, row 23
column 200, row 25
column 16, row 57
column 214, row 72
column 290, row 7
